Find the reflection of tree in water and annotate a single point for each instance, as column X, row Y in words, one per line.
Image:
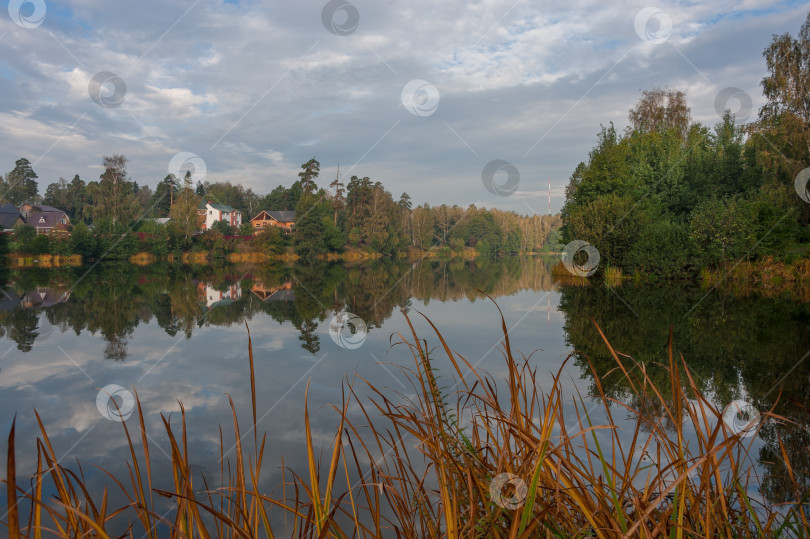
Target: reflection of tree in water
column 21, row 327
column 777, row 485
column 116, row 347
column 734, row 347
column 114, row 299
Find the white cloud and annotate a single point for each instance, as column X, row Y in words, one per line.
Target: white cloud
column 278, row 87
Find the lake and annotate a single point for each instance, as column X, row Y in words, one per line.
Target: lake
column 178, row 334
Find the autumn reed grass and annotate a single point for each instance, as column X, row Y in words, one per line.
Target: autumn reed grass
column 424, row 466
column 253, row 257
column 19, row 261
column 613, row 277
column 143, row 259
column 562, row 276
column 767, row 277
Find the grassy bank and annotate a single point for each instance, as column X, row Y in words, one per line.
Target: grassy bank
column 463, row 457
column 22, row 260
column 768, row 277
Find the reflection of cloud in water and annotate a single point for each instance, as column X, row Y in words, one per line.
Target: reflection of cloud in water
column 164, row 366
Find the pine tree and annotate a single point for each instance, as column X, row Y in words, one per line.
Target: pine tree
column 309, row 172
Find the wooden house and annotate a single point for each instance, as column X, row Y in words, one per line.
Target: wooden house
column 285, row 220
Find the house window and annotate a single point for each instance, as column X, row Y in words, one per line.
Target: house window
column 210, row 212
column 63, row 222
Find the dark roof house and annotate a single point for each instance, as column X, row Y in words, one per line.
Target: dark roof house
column 282, row 219
column 28, row 209
column 9, row 216
column 283, row 216
column 46, row 221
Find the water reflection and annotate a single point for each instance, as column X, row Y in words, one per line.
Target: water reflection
column 114, row 299
column 754, row 348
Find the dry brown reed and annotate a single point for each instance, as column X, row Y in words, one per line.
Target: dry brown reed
column 424, row 466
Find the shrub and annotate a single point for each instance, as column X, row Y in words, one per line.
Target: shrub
column 269, row 241
column 723, row 230
column 40, row 244
column 23, row 236
column 612, row 224
column 83, row 242
column 662, row 249
column 223, row 228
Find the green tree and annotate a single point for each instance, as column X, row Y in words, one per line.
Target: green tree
column 422, row 227
column 513, row 241
column 611, row 223
column 71, row 197
column 20, row 185
column 82, row 241
column 314, row 231
column 282, row 198
column 338, row 196
column 114, row 195
column 662, row 249
column 308, row 175
column 780, row 139
column 78, row 198
column 723, row 230
column 184, row 212
column 660, row 110
column 57, row 194
column 223, row 227
column 269, row 241
column 160, row 205
column 23, row 237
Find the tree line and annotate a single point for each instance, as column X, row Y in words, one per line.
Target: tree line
column 670, row 196
column 358, row 214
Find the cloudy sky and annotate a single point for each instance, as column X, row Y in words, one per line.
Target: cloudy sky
column 419, row 95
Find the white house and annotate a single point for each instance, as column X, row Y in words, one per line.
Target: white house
column 210, row 212
column 212, row 297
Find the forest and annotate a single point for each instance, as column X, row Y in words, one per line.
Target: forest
column 670, row 197
column 114, row 217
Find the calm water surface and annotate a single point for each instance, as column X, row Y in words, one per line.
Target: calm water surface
column 178, row 334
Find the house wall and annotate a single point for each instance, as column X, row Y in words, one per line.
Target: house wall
column 261, row 224
column 233, row 218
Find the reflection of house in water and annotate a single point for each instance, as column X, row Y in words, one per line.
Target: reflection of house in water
column 8, row 299
column 44, row 297
column 282, row 292
column 218, row 298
